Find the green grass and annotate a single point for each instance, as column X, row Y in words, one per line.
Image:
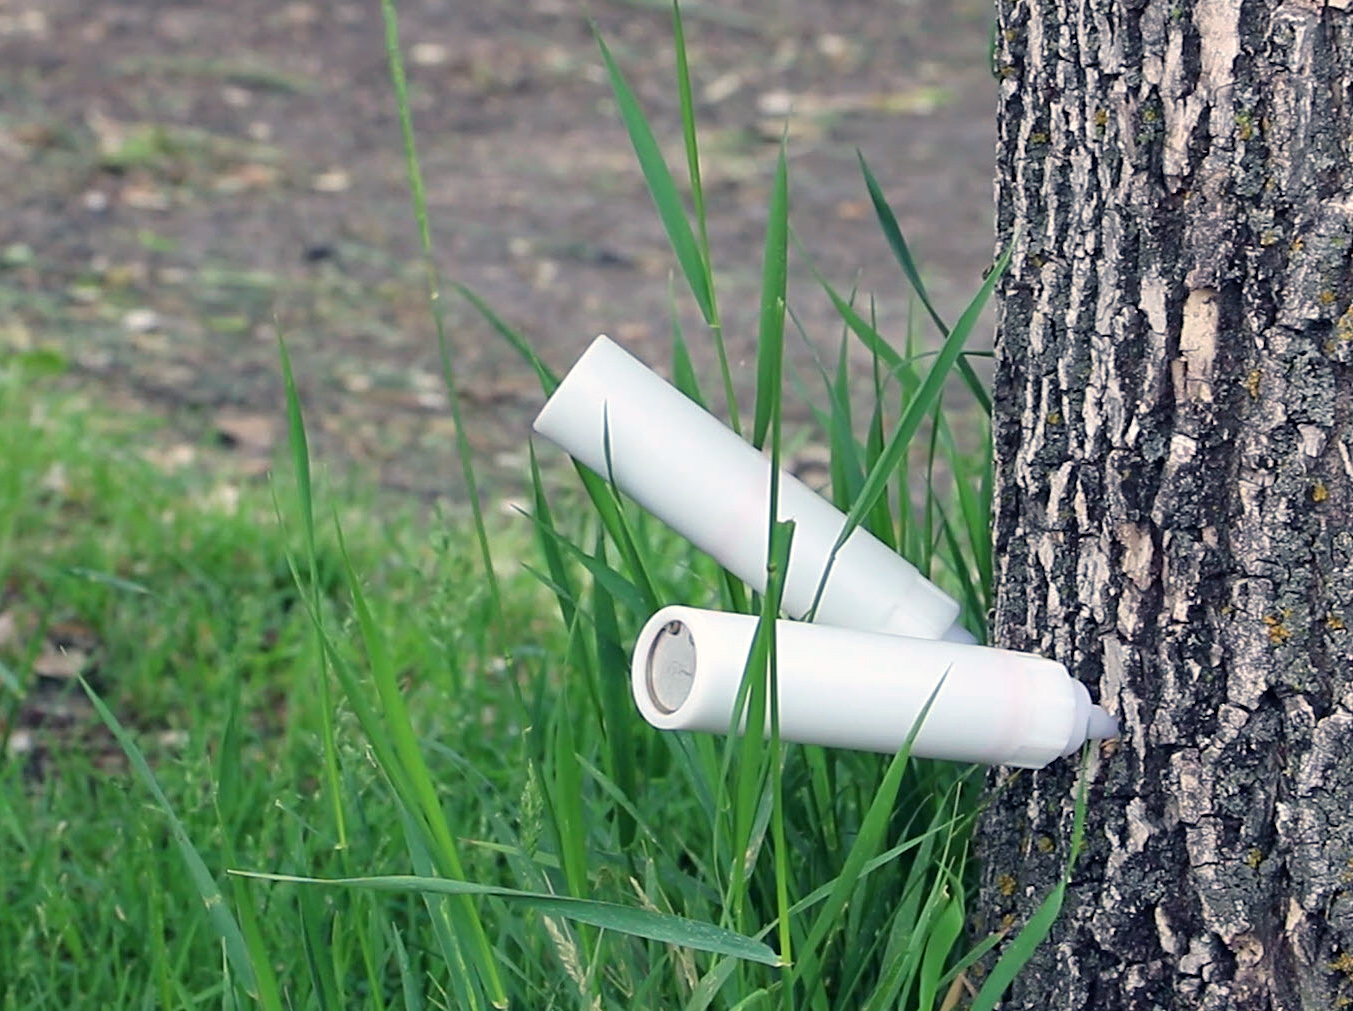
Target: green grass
column 329, row 756
column 199, row 641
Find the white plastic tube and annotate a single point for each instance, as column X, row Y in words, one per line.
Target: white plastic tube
column 683, row 465
column 848, row 689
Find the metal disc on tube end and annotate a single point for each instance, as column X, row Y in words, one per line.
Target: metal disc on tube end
column 670, row 667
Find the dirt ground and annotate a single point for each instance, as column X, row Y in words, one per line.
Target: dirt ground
column 180, row 181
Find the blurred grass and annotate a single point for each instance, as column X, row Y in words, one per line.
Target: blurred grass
column 180, row 597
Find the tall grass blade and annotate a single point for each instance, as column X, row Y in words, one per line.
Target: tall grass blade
column 758, row 688
column 663, row 927
column 323, row 983
column 976, row 517
column 1016, row 956
column 443, row 914
column 944, row 934
column 623, row 800
column 424, row 799
column 568, row 802
column 109, row 580
column 866, row 845
column 893, row 233
column 408, row 980
column 10, row 682
column 879, row 519
column 847, row 472
column 683, row 369
column 605, row 499
column 621, row 531
column 782, row 535
column 973, row 601
column 755, row 696
column 661, row 187
column 549, row 382
column 222, row 920
column 228, row 803
column 309, row 590
column 560, row 582
column 771, row 334
column 749, row 710
column 985, row 505
column 927, row 556
column 1021, row 949
column 621, row 590
column 372, row 728
column 300, row 452
column 872, row 340
column 710, row 984
column 690, row 140
column 876, row 484
column 547, row 536
column 613, row 675
column 420, row 212
column 228, row 784
column 688, row 136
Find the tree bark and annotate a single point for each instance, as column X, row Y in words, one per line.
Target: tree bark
column 1174, row 477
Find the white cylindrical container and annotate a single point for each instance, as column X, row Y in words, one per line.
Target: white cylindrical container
column 849, row 689
column 683, row 465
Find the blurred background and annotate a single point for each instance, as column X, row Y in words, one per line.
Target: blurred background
column 180, row 183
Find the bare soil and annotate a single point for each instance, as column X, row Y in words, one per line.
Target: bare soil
column 181, row 182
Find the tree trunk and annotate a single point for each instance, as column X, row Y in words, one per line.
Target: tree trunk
column 1174, row 480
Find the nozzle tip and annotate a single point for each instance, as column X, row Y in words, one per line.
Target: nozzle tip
column 1102, row 726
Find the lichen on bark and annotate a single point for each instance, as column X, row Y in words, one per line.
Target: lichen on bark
column 1174, row 514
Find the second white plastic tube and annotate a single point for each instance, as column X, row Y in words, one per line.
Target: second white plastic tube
column 683, row 465
column 849, row 689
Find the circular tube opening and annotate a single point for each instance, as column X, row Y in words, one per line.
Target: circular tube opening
column 670, row 673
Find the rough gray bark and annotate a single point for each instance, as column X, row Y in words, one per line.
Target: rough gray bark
column 1175, row 476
